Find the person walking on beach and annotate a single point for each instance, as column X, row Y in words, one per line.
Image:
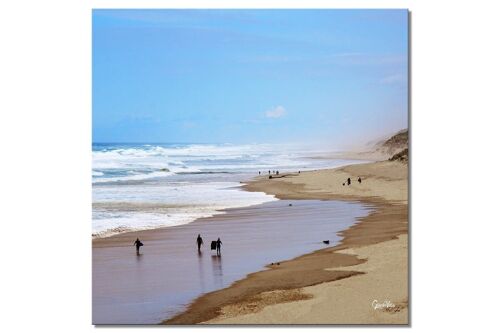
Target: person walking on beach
column 219, row 243
column 138, row 245
column 349, row 181
column 199, row 240
column 359, row 179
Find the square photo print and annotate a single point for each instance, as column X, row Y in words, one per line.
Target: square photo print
column 250, row 167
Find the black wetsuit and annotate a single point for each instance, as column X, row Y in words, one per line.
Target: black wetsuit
column 199, row 240
column 137, row 244
column 218, row 246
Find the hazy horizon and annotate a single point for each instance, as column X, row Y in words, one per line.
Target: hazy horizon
column 367, row 142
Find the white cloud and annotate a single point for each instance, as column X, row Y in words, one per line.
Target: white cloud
column 276, row 112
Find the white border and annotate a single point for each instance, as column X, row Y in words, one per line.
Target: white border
column 45, row 134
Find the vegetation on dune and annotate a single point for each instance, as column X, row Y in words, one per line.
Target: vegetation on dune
column 396, row 146
column 402, row 156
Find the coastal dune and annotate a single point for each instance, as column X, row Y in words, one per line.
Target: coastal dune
column 362, row 280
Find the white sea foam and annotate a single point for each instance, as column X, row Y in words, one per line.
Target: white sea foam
column 116, row 163
column 184, row 203
column 138, row 176
column 191, row 181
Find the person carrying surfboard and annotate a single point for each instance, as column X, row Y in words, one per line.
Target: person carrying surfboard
column 137, row 244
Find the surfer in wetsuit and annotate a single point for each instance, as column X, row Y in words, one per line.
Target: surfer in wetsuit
column 137, row 244
column 219, row 243
column 199, row 241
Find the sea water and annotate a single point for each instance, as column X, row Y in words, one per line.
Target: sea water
column 145, row 186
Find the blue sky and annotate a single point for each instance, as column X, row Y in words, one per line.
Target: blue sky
column 245, row 76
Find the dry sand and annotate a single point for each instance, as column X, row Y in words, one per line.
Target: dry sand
column 381, row 180
column 338, row 285
column 346, row 301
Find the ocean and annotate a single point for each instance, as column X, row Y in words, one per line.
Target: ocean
column 146, row 186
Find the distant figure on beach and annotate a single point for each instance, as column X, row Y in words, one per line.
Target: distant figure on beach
column 137, row 244
column 277, row 172
column 259, row 172
column 359, row 180
column 269, row 171
column 199, row 241
column 299, row 171
column 348, row 181
column 219, row 243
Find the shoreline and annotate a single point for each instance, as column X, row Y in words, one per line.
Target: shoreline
column 355, row 158
column 268, row 296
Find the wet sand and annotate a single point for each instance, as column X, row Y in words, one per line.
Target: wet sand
column 338, row 285
column 170, row 273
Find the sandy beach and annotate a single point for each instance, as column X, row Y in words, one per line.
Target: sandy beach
column 362, row 280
